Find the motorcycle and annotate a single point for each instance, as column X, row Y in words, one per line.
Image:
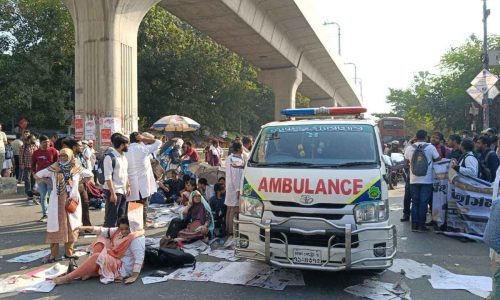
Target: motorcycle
column 396, row 170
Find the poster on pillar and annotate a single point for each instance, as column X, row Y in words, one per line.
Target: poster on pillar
column 79, row 127
column 90, row 129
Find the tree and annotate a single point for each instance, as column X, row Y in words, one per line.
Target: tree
column 36, row 61
column 439, row 101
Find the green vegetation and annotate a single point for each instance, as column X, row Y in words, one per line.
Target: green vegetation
column 180, row 71
column 439, row 101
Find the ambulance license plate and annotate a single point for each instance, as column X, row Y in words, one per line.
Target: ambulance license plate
column 303, row 256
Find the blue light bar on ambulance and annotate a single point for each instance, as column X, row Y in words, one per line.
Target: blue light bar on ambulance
column 323, row 111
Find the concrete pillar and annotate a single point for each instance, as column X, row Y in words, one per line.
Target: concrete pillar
column 322, row 102
column 106, row 59
column 284, row 83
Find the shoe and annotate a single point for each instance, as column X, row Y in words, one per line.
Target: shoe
column 30, row 202
column 423, row 228
column 431, row 223
column 405, row 218
column 414, row 227
column 43, row 219
column 35, row 200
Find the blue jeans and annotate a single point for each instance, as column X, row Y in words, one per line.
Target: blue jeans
column 420, row 197
column 44, row 190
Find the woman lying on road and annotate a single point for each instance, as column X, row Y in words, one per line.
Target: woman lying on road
column 118, row 253
column 199, row 217
column 63, row 176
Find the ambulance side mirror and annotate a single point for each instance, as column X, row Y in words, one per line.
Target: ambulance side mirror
column 387, row 160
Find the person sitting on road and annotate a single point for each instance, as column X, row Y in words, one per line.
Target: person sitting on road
column 199, row 217
column 206, row 189
column 190, row 153
column 189, row 187
column 172, row 187
column 219, row 210
column 117, row 255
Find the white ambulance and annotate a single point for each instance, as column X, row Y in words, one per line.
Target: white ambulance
column 315, row 194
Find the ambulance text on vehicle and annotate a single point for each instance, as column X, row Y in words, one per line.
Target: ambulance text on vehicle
column 314, row 194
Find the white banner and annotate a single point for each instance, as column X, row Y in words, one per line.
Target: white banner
column 462, row 202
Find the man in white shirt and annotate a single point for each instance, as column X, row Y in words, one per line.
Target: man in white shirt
column 468, row 164
column 140, row 171
column 420, row 186
column 234, row 174
column 117, row 186
column 247, row 147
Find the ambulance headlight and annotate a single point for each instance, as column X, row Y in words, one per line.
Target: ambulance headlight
column 251, row 207
column 371, row 211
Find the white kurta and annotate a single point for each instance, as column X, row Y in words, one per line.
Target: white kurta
column 234, row 177
column 75, row 219
column 140, row 172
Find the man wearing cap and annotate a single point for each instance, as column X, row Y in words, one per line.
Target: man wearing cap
column 140, row 171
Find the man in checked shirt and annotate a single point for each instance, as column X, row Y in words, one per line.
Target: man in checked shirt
column 25, row 154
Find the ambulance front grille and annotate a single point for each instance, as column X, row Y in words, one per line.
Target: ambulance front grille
column 312, row 240
column 288, row 214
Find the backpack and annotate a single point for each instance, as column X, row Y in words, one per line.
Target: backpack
column 419, row 162
column 165, row 257
column 484, row 170
column 100, row 166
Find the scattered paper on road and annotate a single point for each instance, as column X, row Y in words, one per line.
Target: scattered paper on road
column 222, row 254
column 14, row 283
column 277, row 279
column 153, row 242
column 411, row 268
column 377, row 290
column 204, row 271
column 443, row 279
column 153, row 279
column 25, row 258
column 52, row 272
column 239, row 272
column 41, row 287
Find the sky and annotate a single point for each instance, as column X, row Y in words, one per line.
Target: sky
column 391, row 40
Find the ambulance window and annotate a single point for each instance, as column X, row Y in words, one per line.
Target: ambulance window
column 321, row 145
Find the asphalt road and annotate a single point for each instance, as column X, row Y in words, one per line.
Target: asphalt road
column 20, row 233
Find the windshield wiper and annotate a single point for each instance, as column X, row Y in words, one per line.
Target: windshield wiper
column 355, row 163
column 285, row 164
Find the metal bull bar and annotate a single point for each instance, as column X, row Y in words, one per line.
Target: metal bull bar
column 334, row 230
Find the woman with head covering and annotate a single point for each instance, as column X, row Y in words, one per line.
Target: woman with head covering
column 62, row 222
column 199, row 217
column 117, row 255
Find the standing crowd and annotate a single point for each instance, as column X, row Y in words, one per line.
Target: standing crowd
column 477, row 157
column 63, row 175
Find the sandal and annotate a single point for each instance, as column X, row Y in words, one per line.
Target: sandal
column 62, row 280
column 70, row 257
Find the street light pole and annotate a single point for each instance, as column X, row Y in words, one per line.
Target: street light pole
column 338, row 34
column 355, row 71
column 486, row 111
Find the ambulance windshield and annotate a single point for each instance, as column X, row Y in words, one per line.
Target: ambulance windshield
column 316, row 146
